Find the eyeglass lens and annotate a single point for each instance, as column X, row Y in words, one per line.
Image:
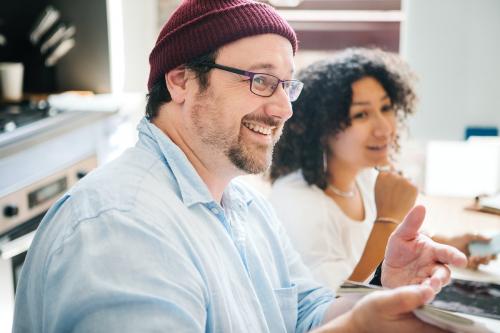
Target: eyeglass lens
column 265, row 85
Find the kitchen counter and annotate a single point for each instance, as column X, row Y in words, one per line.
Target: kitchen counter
column 39, row 149
column 45, row 129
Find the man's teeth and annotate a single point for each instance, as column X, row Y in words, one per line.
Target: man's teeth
column 266, row 130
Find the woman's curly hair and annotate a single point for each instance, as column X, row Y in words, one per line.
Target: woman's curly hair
column 322, row 109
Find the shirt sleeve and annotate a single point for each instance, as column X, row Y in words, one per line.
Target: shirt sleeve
column 114, row 274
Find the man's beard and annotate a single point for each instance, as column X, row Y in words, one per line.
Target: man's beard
column 242, row 158
column 252, row 158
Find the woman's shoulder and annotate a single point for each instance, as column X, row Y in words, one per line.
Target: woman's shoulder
column 294, row 183
column 292, row 191
column 296, row 202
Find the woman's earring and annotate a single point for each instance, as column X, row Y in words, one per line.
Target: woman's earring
column 325, row 162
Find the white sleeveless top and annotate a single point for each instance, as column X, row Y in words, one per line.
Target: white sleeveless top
column 330, row 242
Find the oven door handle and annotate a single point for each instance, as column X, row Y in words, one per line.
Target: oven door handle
column 16, row 246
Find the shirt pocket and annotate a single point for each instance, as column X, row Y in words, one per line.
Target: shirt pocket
column 287, row 300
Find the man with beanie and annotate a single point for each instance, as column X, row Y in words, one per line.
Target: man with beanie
column 164, row 239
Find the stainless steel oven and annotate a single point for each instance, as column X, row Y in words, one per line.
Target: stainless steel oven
column 23, row 210
column 20, row 215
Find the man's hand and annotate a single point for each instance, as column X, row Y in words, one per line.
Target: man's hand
column 394, row 195
column 410, row 258
column 413, row 258
column 385, row 311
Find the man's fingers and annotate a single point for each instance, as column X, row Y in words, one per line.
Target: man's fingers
column 402, row 300
column 449, row 255
column 408, row 230
column 440, row 277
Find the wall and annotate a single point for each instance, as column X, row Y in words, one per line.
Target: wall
column 140, row 31
column 165, row 9
column 453, row 46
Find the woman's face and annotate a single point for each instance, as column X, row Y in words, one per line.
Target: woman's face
column 368, row 141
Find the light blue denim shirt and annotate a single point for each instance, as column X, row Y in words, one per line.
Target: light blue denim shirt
column 139, row 245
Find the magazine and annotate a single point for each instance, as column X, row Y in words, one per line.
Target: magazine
column 470, row 297
column 439, row 316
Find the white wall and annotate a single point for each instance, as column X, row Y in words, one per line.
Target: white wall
column 454, row 47
column 132, row 29
column 140, row 31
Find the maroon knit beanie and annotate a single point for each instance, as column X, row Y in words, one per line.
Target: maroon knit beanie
column 200, row 27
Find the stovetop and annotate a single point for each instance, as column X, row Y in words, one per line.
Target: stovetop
column 26, row 124
column 13, row 116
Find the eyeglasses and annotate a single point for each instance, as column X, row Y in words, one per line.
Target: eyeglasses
column 263, row 84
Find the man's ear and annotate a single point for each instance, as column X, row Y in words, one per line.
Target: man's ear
column 176, row 81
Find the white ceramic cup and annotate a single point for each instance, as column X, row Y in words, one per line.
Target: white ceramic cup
column 11, row 81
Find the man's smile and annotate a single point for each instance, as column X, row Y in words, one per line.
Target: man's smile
column 259, row 128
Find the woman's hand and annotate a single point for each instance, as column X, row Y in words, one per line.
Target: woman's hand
column 462, row 242
column 394, row 196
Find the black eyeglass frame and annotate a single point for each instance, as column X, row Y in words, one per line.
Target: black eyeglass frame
column 251, row 75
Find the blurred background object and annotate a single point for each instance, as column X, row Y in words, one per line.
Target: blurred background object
column 463, row 168
column 480, row 131
column 43, row 33
column 11, row 81
column 285, row 3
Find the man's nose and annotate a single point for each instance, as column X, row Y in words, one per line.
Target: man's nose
column 280, row 105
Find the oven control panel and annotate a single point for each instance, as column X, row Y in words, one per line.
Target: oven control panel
column 22, row 205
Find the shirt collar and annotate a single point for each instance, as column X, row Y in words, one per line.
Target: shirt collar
column 191, row 187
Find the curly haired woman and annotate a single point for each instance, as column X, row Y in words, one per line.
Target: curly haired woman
column 337, row 209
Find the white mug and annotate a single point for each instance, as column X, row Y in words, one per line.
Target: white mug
column 11, row 81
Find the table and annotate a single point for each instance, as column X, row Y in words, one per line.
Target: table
column 447, row 216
